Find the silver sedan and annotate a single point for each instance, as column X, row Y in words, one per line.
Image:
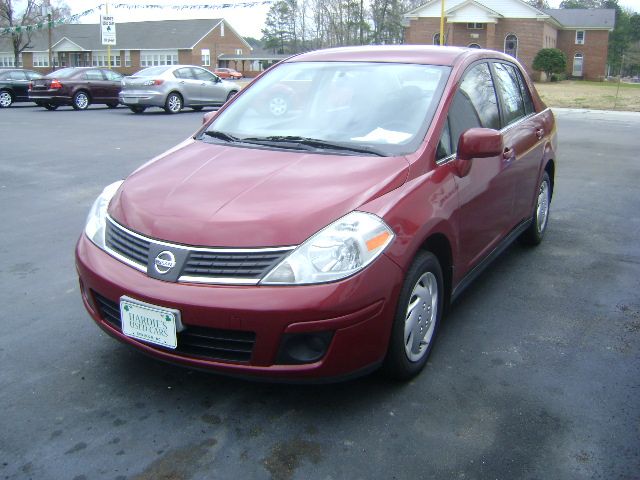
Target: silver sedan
column 173, row 87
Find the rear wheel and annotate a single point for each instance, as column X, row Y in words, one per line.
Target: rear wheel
column 80, row 100
column 173, row 103
column 535, row 233
column 417, row 318
column 6, row 99
column 50, row 106
column 137, row 109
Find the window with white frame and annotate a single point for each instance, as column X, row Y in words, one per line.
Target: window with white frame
column 579, row 37
column 475, row 26
column 154, row 58
column 101, row 59
column 40, row 59
column 127, row 58
column 238, row 51
column 206, row 57
column 8, row 60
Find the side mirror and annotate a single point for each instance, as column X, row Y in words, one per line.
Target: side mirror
column 477, row 143
column 208, row 116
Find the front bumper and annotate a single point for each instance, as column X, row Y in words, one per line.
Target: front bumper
column 358, row 311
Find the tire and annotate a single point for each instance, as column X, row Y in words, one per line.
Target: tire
column 278, row 105
column 540, row 219
column 81, row 100
column 137, row 109
column 50, row 106
column 6, row 99
column 173, row 104
column 112, row 105
column 232, row 94
column 422, row 296
column 197, row 109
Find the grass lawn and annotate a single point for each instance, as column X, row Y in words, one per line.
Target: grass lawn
column 595, row 95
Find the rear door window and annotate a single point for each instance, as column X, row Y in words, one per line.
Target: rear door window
column 183, row 73
column 93, row 75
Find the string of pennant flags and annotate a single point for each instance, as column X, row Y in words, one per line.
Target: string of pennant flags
column 74, row 18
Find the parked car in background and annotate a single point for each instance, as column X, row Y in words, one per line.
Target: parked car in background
column 78, row 87
column 228, row 73
column 326, row 241
column 14, row 85
column 174, row 87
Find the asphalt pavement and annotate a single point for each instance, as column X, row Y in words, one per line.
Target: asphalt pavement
column 535, row 375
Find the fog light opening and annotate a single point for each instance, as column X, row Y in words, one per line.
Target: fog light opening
column 302, row 348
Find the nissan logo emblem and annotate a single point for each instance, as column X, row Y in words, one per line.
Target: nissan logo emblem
column 164, row 262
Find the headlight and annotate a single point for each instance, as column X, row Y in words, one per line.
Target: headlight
column 338, row 251
column 97, row 218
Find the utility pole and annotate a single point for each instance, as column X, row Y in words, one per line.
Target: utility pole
column 108, row 46
column 441, row 23
column 46, row 10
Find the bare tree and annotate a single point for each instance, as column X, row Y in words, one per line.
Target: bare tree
column 22, row 21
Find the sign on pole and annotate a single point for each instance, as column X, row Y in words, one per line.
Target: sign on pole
column 108, row 27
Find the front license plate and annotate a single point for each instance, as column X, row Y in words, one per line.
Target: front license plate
column 149, row 323
column 131, row 100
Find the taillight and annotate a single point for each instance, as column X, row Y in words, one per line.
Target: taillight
column 149, row 83
column 55, row 84
column 30, row 86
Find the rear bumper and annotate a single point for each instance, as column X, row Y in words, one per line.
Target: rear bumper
column 142, row 99
column 41, row 98
column 358, row 312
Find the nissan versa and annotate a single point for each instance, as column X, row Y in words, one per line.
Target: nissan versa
column 324, row 238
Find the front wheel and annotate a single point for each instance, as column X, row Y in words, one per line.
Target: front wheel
column 6, row 99
column 417, row 318
column 173, row 103
column 534, row 234
column 80, row 100
column 232, row 94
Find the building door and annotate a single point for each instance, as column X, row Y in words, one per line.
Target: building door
column 511, row 45
column 577, row 65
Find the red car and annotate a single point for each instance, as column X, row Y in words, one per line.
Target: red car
column 329, row 240
column 228, row 73
column 78, row 87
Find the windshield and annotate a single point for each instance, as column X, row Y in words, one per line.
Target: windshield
column 147, row 72
column 384, row 107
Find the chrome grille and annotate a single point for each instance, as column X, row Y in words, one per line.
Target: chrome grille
column 242, row 266
column 126, row 244
column 193, row 341
column 231, row 265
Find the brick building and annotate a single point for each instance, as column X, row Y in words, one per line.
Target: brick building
column 516, row 28
column 139, row 45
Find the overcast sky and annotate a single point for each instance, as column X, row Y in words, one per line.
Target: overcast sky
column 247, row 21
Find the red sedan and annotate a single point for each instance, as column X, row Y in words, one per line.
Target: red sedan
column 326, row 241
column 228, row 73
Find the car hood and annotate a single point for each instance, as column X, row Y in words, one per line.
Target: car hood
column 215, row 195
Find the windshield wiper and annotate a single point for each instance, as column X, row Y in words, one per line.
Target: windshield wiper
column 292, row 141
column 221, row 136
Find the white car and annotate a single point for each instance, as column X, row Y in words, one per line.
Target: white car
column 173, row 87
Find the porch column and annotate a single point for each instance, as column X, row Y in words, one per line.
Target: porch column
column 491, row 36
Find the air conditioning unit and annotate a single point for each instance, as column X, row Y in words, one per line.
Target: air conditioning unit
column 474, row 35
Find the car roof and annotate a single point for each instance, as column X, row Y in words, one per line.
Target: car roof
column 421, row 54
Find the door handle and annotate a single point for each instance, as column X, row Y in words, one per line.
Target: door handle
column 539, row 133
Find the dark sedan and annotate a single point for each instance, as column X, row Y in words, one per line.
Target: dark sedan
column 14, row 86
column 78, row 87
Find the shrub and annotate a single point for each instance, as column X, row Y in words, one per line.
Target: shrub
column 550, row 61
